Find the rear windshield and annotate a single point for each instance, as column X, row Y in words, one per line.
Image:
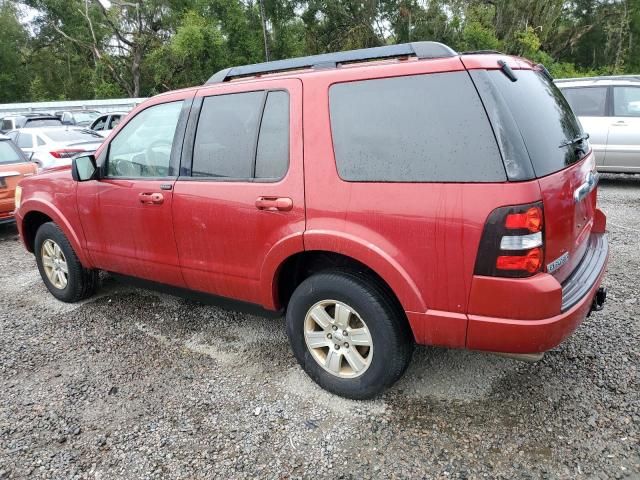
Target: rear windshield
column 8, row 153
column 42, row 122
column 72, row 136
column 421, row 128
column 543, row 117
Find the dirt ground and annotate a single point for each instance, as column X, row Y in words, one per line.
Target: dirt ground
column 133, row 384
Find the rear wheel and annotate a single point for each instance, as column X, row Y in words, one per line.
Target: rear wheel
column 348, row 334
column 59, row 267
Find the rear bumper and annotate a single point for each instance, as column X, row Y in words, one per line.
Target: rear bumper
column 539, row 335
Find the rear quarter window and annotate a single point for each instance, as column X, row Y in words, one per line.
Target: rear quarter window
column 421, row 128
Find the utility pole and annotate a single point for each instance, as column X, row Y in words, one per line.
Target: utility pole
column 264, row 30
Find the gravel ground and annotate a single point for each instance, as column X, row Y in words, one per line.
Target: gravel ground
column 134, row 384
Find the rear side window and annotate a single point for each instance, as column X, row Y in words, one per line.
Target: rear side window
column 272, row 157
column 543, row 117
column 422, row 128
column 242, row 136
column 226, row 134
column 7, row 125
column 587, row 102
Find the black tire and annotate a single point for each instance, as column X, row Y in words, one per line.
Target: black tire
column 81, row 282
column 387, row 324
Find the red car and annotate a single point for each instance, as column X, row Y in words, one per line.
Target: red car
column 380, row 198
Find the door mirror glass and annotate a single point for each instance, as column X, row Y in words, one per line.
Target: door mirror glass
column 84, row 168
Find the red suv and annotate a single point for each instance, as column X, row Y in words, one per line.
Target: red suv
column 380, row 197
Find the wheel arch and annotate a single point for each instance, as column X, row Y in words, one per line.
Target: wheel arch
column 36, row 213
column 280, row 276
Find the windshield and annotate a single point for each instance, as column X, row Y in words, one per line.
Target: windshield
column 9, row 154
column 85, row 117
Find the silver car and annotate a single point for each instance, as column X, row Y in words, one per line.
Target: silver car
column 54, row 146
column 609, row 110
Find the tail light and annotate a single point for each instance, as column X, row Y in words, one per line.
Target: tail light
column 512, row 243
column 66, row 152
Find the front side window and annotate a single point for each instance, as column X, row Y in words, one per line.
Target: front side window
column 588, row 101
column 113, row 122
column 626, row 101
column 99, row 124
column 143, row 147
column 421, row 128
column 7, row 124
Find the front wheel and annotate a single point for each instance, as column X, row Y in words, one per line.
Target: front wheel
column 348, row 334
column 59, row 267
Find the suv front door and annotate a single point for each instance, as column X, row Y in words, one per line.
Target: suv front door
column 240, row 194
column 623, row 148
column 127, row 214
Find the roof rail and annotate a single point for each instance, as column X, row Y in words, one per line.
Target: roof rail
column 631, row 78
column 332, row 60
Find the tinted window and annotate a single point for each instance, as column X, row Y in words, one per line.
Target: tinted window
column 8, row 153
column 423, row 128
column 25, row 140
column 143, row 147
column 587, row 102
column 272, row 158
column 626, row 102
column 226, row 135
column 7, row 125
column 544, row 119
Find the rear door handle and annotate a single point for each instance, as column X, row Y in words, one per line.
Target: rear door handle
column 620, row 123
column 283, row 204
column 151, row 198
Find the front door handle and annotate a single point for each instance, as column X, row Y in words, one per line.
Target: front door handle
column 283, row 204
column 151, row 198
column 620, row 123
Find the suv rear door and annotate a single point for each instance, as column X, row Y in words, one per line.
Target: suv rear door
column 565, row 174
column 240, row 193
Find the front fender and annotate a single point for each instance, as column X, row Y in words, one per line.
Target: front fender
column 50, row 210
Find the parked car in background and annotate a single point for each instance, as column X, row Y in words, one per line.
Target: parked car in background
column 80, row 118
column 609, row 110
column 368, row 200
column 54, row 146
column 107, row 122
column 14, row 166
column 29, row 120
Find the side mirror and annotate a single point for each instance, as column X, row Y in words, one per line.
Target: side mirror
column 84, row 168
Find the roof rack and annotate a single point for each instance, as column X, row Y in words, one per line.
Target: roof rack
column 420, row 50
column 631, row 78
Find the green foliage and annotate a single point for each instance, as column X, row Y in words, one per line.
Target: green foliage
column 81, row 49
